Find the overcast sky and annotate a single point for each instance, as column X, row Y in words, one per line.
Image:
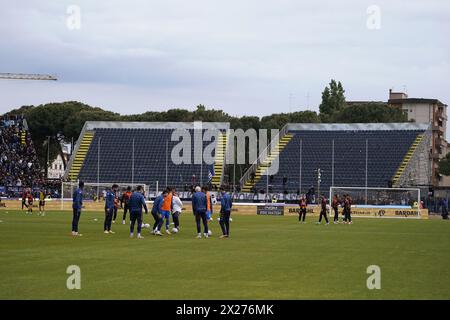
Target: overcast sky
column 248, row 57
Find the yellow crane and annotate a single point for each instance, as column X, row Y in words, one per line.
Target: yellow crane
column 26, row 76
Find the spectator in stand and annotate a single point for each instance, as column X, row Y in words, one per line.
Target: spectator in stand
column 18, row 160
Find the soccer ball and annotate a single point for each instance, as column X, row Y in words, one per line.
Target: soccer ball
column 218, row 219
column 174, row 230
column 231, row 219
column 146, row 225
column 209, row 233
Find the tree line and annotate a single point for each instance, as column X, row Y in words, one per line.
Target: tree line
column 62, row 122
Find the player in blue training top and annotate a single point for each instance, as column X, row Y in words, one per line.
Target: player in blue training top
column 77, row 204
column 136, row 203
column 225, row 211
column 109, row 208
column 156, row 212
column 199, row 210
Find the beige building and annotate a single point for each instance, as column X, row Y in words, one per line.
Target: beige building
column 56, row 168
column 428, row 111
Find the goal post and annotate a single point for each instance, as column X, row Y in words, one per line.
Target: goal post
column 382, row 202
column 94, row 191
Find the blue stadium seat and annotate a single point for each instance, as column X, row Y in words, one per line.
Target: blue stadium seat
column 386, row 150
column 149, row 158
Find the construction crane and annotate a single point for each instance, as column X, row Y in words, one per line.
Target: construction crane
column 26, row 76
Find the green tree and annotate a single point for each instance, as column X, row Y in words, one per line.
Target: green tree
column 62, row 122
column 369, row 113
column 278, row 120
column 245, row 122
column 203, row 114
column 333, row 100
column 444, row 165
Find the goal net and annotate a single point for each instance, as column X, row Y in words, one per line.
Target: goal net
column 95, row 191
column 399, row 201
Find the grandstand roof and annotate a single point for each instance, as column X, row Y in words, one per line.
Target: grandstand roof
column 92, row 125
column 356, row 126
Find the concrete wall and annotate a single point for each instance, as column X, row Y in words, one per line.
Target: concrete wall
column 418, row 170
column 420, row 112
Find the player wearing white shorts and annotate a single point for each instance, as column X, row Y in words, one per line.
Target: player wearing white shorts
column 177, row 207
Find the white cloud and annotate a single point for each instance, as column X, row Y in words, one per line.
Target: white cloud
column 243, row 56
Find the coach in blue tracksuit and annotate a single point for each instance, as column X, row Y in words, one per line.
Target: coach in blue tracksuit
column 109, row 208
column 77, row 204
column 225, row 211
column 199, row 209
column 156, row 210
column 137, row 202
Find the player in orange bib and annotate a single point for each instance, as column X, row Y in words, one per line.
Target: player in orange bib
column 166, row 208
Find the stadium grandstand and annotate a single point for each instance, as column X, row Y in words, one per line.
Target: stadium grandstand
column 141, row 153
column 357, row 155
column 377, row 155
column 19, row 166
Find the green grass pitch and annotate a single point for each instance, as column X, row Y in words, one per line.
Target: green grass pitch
column 267, row 257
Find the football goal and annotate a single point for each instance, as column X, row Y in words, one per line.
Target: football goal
column 402, row 200
column 94, row 191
